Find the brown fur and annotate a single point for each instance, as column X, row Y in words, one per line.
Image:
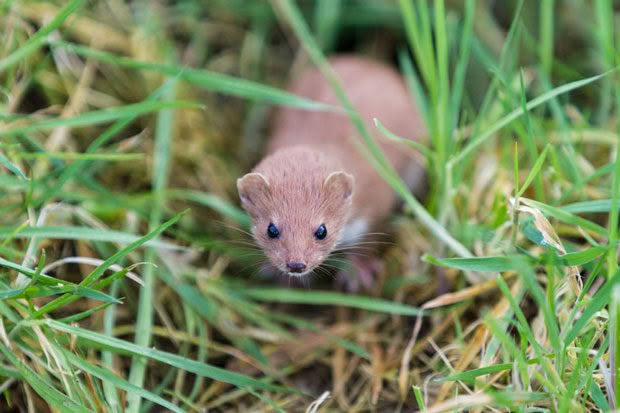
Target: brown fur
column 289, row 187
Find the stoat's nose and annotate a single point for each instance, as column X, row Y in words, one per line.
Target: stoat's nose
column 296, row 266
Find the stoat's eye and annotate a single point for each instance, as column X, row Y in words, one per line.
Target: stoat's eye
column 272, row 231
column 321, row 232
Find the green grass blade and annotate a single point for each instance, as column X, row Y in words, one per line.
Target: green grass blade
column 6, row 294
column 39, row 39
column 118, row 382
column 545, row 49
column 604, row 34
column 551, row 323
column 11, row 167
column 326, row 22
column 52, row 286
column 198, row 302
column 84, row 234
column 471, row 375
column 516, row 172
column 526, row 330
column 600, row 205
column 579, row 257
column 421, row 49
column 216, row 82
column 73, row 170
column 443, row 137
column 594, row 363
column 530, row 139
column 71, row 156
column 174, row 360
column 458, row 81
column 161, row 168
column 212, row 201
column 598, row 397
column 284, row 295
column 84, row 314
column 567, row 400
column 99, row 116
column 481, row 264
column 612, row 261
column 508, row 343
column 419, row 398
column 405, row 141
column 545, row 97
column 46, row 291
column 413, row 83
column 50, row 394
column 49, row 280
column 98, row 272
column 612, row 268
column 534, row 171
column 566, row 217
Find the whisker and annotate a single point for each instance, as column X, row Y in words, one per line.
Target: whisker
column 354, row 249
column 318, row 272
column 241, row 254
column 326, row 264
column 331, row 269
column 254, row 264
column 373, row 234
column 268, row 267
column 241, row 251
column 323, row 270
column 230, row 226
column 241, row 242
column 353, row 246
column 352, row 252
column 371, row 243
column 349, row 253
column 249, row 255
column 333, row 259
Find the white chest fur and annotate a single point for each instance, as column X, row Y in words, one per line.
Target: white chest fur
column 353, row 231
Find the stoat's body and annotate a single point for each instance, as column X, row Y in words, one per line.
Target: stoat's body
column 315, row 189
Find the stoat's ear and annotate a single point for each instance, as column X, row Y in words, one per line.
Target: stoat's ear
column 340, row 182
column 251, row 186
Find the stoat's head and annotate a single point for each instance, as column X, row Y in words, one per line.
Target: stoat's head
column 298, row 214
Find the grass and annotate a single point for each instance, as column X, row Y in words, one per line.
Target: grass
column 120, row 142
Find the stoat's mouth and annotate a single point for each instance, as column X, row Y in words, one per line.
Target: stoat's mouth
column 298, row 274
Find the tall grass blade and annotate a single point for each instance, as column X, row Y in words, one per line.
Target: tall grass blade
column 109, row 377
column 545, row 97
column 284, row 295
column 84, row 234
column 99, row 116
column 534, row 171
column 38, row 40
column 44, row 389
column 217, row 82
column 170, row 359
column 11, row 167
column 161, row 167
column 98, row 272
